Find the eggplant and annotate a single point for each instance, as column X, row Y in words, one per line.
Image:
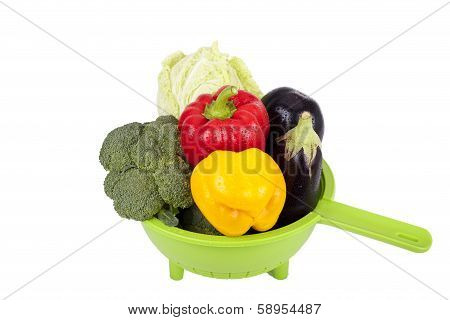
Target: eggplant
column 294, row 142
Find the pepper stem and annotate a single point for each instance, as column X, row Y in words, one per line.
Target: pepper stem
column 221, row 108
column 301, row 137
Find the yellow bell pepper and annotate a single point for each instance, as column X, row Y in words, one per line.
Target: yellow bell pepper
column 237, row 191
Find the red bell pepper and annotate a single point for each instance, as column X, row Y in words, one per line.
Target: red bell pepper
column 231, row 119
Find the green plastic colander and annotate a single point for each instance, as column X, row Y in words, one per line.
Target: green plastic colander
column 250, row 255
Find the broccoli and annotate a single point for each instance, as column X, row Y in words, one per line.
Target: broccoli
column 135, row 194
column 110, row 181
column 167, row 119
column 168, row 216
column 174, row 188
column 159, row 141
column 116, row 149
column 148, row 175
column 193, row 220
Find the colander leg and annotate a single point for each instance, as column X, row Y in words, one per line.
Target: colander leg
column 176, row 272
column 280, row 272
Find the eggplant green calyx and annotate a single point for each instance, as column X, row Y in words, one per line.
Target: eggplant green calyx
column 222, row 108
column 301, row 137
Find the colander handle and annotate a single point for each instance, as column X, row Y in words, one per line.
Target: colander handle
column 374, row 226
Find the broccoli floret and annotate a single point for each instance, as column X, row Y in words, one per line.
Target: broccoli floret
column 148, row 174
column 146, row 153
column 169, row 140
column 158, row 140
column 116, row 150
column 110, row 181
column 193, row 220
column 167, row 119
column 135, row 195
column 173, row 180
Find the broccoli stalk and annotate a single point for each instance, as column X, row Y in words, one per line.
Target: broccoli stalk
column 148, row 175
column 168, row 216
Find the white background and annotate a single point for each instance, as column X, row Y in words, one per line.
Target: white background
column 387, row 140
